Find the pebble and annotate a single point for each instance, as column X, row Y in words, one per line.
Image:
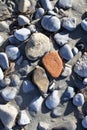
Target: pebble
column 22, row 34
column 66, row 52
column 53, row 63
column 4, row 26
column 61, row 38
column 1, row 40
column 32, row 28
column 65, row 3
column 46, row 4
column 1, row 74
column 9, row 93
column 50, row 23
column 69, row 23
column 78, row 100
column 40, row 42
column 53, row 100
column 85, row 81
column 19, row 100
column 51, row 12
column 19, row 61
column 40, row 79
column 39, row 13
column 15, row 80
column 84, row 122
column 67, row 71
column 5, row 82
column 23, row 20
column 84, row 24
column 13, row 40
column 23, row 118
column 4, row 62
column 75, row 50
column 58, row 111
column 12, row 52
column 43, row 126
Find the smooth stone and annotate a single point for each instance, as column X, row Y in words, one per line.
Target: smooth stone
column 23, row 118
column 23, row 20
column 4, row 27
column 66, row 52
column 58, row 111
column 85, row 81
column 27, row 86
column 43, row 126
column 36, row 104
column 75, row 50
column 53, row 100
column 50, row 12
column 15, row 80
column 46, row 4
column 39, row 13
column 1, row 40
column 22, row 34
column 69, row 23
column 13, row 40
column 61, row 38
column 65, row 3
column 19, row 100
column 9, row 93
column 5, row 82
column 84, row 122
column 78, row 100
column 32, row 28
column 84, row 24
column 50, row 23
column 67, row 71
column 52, row 86
column 12, row 52
column 19, row 61
column 56, row 10
column 1, row 74
column 4, row 62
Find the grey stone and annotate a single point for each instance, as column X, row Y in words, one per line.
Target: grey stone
column 1, row 40
column 84, row 24
column 13, row 40
column 67, row 71
column 46, row 4
column 19, row 61
column 5, row 82
column 4, row 26
column 1, row 74
column 50, row 12
column 23, row 20
column 4, row 62
column 58, row 111
column 15, row 80
column 65, row 3
column 84, row 122
column 78, row 100
column 32, row 28
column 39, row 13
column 19, row 100
column 43, row 126
column 85, row 81
column 50, row 23
column 75, row 50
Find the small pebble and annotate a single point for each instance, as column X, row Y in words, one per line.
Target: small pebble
column 78, row 100
column 1, row 74
column 84, row 24
column 13, row 40
column 19, row 100
column 84, row 122
column 1, row 40
column 19, row 61
column 32, row 28
column 46, row 4
column 75, row 50
column 43, row 126
column 85, row 81
column 50, row 12
column 39, row 13
column 4, row 62
column 5, row 82
column 58, row 111
column 67, row 71
column 15, row 80
column 23, row 20
column 65, row 3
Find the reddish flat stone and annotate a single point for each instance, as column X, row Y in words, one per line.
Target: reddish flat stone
column 53, row 63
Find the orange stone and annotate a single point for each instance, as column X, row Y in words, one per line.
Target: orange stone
column 53, row 63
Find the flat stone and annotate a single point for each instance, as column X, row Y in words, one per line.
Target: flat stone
column 23, row 20
column 53, row 63
column 84, row 24
column 4, row 62
column 43, row 126
column 1, row 74
column 50, row 23
column 37, row 41
column 39, row 13
column 46, row 4
column 78, row 100
column 84, row 122
column 51, row 12
column 65, row 4
column 40, row 79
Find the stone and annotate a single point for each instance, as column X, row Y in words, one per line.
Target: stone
column 1, row 40
column 46, row 4
column 32, row 28
column 22, row 34
column 4, row 27
column 5, row 82
column 53, row 63
column 53, row 100
column 12, row 52
column 43, row 126
column 8, row 114
column 40, row 79
column 9, row 93
column 19, row 100
column 78, row 100
column 37, row 41
column 4, row 62
column 13, row 40
column 1, row 74
column 84, row 24
column 85, row 81
column 58, row 111
column 15, row 80
column 75, row 50
column 61, row 38
column 69, row 23
column 36, row 104
column 52, row 86
column 23, row 118
column 66, row 52
column 67, row 70
column 65, row 4
column 39, row 13
column 84, row 122
column 23, row 20
column 51, row 12
column 19, row 61
column 50, row 23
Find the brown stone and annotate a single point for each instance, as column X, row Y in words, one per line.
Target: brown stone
column 53, row 63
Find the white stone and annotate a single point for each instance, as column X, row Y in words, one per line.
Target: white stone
column 67, row 71
column 1, row 74
column 78, row 100
column 84, row 24
column 85, row 81
column 84, row 122
column 43, row 126
column 1, row 40
column 23, row 20
column 4, row 62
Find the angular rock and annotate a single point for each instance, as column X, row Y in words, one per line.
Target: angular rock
column 39, row 13
column 84, row 24
column 84, row 122
column 65, row 3
column 43, row 126
column 22, row 20
column 1, row 74
column 4, row 62
column 4, row 27
column 46, row 4
column 53, row 63
column 78, row 100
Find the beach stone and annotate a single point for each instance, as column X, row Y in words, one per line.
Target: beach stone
column 1, row 40
column 50, row 23
column 32, row 28
column 65, row 4
column 58, row 111
column 80, row 66
column 13, row 40
column 43, row 126
column 39, row 13
column 4, row 27
column 5, row 82
column 19, row 100
column 51, row 12
column 46, row 4
column 37, row 41
column 61, row 38
column 53, row 63
column 53, row 100
column 23, row 118
column 19, row 61
column 69, row 23
column 84, row 24
column 15, row 80
column 78, row 100
column 84, row 122
column 85, row 81
column 75, row 50
column 8, row 114
column 36, row 104
column 40, row 79
column 23, row 20
column 1, row 74
column 67, row 71
column 4, row 62
column 9, row 93
column 12, row 52
column 22, row 34
column 66, row 52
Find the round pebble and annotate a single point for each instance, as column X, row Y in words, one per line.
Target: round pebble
column 78, row 100
column 46, row 4
column 75, row 50
column 84, row 122
column 84, row 24
column 5, row 82
column 4, row 62
column 39, row 13
column 22, row 20
column 67, row 71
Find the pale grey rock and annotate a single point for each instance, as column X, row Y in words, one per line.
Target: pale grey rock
column 58, row 111
column 4, row 26
column 5, row 82
column 39, row 13
column 65, row 3
column 75, row 50
column 85, row 81
column 84, row 24
column 15, row 80
column 1, row 40
column 67, row 71
column 43, row 126
column 1, row 74
column 32, row 28
column 4, row 62
column 84, row 122
column 23, row 20
column 51, row 12
column 78, row 100
column 13, row 40
column 19, row 61
column 19, row 100
column 46, row 4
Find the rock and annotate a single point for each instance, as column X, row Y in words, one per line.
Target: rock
column 36, row 104
column 19, row 61
column 56, row 10
column 40, row 79
column 53, row 63
column 80, row 67
column 5, row 82
column 65, row 4
column 53, row 100
column 75, row 50
column 23, row 20
column 9, row 93
column 58, row 111
column 67, row 70
column 1, row 74
column 23, row 118
column 50, row 23
column 22, row 34
column 32, row 28
column 51, row 12
column 15, row 80
column 46, row 4
column 13, row 40
column 84, row 122
column 23, row 5
column 61, row 38
column 8, row 114
column 84, row 24
column 19, row 100
column 4, row 63
column 78, row 100
column 37, row 41
column 52, row 86
column 27, row 86
column 69, row 23
column 4, row 27
column 66, row 52
column 85, row 81
column 39, row 13
column 12, row 52
column 43, row 126
column 1, row 40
